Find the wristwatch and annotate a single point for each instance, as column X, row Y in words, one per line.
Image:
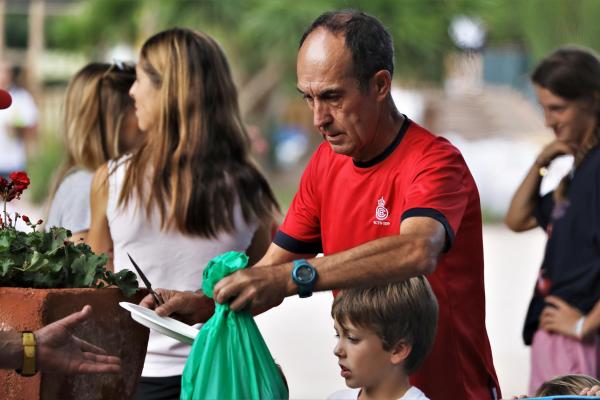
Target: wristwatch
column 305, row 276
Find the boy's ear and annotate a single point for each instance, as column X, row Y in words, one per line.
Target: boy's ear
column 400, row 352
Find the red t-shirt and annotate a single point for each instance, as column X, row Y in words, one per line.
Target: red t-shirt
column 341, row 204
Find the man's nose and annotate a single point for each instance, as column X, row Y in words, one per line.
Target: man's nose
column 321, row 114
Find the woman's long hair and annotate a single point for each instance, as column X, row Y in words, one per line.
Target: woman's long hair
column 195, row 165
column 573, row 74
column 96, row 105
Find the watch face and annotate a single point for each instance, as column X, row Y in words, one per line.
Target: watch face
column 304, row 273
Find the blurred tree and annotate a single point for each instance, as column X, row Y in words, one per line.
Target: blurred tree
column 540, row 26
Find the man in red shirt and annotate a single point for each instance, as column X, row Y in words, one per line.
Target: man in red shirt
column 384, row 200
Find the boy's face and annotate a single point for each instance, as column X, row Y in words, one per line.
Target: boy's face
column 363, row 361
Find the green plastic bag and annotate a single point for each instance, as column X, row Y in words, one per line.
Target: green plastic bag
column 229, row 358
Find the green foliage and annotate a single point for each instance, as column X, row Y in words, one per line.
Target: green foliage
column 540, row 26
column 50, row 260
column 255, row 32
column 100, row 24
column 42, row 166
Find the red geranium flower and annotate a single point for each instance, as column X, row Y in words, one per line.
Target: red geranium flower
column 20, row 180
column 25, row 219
column 3, row 183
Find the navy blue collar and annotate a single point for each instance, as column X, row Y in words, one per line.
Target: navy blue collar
column 379, row 158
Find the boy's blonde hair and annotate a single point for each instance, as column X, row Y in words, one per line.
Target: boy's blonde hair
column 566, row 384
column 400, row 311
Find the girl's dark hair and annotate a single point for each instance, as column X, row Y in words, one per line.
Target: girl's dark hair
column 573, row 74
column 195, row 165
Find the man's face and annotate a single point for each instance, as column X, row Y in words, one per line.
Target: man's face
column 345, row 115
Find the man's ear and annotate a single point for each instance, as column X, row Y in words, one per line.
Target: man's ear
column 381, row 84
column 400, row 352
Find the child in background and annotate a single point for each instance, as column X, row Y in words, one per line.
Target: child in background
column 385, row 332
column 573, row 384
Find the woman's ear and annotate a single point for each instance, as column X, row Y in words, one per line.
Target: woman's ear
column 400, row 352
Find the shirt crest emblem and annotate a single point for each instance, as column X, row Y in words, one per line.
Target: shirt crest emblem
column 381, row 213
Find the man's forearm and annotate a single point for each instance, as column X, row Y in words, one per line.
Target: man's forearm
column 383, row 260
column 11, row 350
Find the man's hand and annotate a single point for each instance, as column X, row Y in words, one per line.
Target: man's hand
column 256, row 288
column 58, row 350
column 559, row 317
column 188, row 307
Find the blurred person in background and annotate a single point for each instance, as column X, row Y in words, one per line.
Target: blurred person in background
column 564, row 314
column 189, row 193
column 99, row 125
column 18, row 124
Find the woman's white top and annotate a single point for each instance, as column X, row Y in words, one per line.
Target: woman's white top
column 71, row 204
column 352, row 394
column 169, row 259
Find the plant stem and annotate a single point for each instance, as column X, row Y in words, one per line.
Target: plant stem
column 5, row 220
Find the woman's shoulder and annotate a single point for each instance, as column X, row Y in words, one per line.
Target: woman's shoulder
column 77, row 180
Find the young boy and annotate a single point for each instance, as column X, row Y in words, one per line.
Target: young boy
column 384, row 334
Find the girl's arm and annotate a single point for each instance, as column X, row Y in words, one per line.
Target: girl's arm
column 98, row 236
column 260, row 242
column 520, row 216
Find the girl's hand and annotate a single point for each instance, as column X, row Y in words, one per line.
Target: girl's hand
column 553, row 150
column 560, row 317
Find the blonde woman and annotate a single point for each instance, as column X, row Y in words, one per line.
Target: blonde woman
column 189, row 193
column 99, row 124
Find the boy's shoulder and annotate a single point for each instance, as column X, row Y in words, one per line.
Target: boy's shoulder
column 413, row 393
column 346, row 394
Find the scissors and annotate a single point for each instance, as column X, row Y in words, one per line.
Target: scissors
column 157, row 297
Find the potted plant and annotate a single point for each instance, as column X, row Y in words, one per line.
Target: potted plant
column 44, row 277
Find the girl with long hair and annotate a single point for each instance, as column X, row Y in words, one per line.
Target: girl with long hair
column 564, row 314
column 99, row 124
column 189, row 193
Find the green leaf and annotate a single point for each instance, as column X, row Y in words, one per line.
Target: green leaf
column 50, row 260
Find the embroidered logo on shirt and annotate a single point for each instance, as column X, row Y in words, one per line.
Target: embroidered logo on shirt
column 381, row 213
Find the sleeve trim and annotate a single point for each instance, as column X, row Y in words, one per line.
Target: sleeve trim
column 438, row 216
column 289, row 243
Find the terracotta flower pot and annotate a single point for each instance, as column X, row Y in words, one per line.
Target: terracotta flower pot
column 110, row 327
